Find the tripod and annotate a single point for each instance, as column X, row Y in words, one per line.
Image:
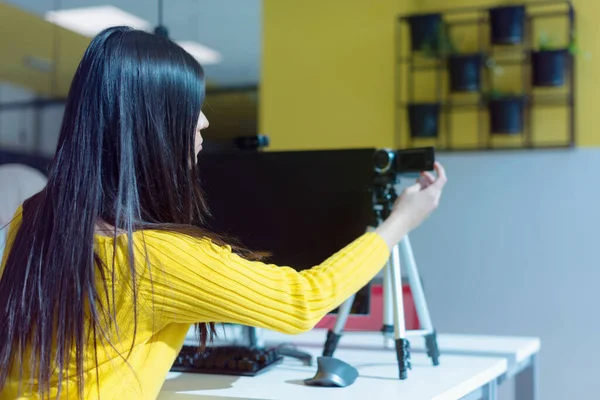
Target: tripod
column 394, row 327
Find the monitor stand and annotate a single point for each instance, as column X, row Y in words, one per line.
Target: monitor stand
column 253, row 339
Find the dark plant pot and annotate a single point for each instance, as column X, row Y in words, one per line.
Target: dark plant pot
column 423, row 120
column 506, row 115
column 548, row 67
column 424, row 29
column 507, row 25
column 465, row 72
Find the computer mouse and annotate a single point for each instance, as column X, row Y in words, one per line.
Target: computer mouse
column 332, row 372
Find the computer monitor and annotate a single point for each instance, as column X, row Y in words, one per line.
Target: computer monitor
column 300, row 206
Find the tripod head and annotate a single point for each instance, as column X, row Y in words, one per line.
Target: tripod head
column 384, row 195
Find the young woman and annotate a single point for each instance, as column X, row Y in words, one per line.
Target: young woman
column 110, row 264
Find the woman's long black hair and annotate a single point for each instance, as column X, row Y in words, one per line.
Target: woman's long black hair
column 125, row 156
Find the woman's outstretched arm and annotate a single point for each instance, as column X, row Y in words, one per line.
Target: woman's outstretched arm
column 194, row 280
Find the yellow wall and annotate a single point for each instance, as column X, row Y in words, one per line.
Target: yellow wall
column 328, row 75
column 24, row 34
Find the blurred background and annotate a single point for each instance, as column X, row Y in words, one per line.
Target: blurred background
column 43, row 41
column 512, row 249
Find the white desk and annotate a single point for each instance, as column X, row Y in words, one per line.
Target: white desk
column 456, row 378
column 521, row 353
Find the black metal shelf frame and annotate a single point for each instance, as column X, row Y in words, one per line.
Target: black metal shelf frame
column 517, row 55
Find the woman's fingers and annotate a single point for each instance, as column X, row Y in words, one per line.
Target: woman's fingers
column 435, row 188
column 427, row 179
column 424, row 182
column 428, row 176
column 441, row 175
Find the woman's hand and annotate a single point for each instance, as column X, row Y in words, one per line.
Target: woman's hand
column 413, row 206
column 418, row 201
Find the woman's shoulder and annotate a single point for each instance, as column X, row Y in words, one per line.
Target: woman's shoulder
column 165, row 242
column 8, row 234
column 17, row 215
column 185, row 241
column 14, row 223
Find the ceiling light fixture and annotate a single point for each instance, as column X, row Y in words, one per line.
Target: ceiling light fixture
column 89, row 21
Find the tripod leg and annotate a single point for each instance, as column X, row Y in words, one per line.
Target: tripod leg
column 402, row 343
column 333, row 336
column 418, row 294
column 388, row 307
column 432, row 347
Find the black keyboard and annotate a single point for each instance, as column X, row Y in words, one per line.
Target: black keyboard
column 226, row 360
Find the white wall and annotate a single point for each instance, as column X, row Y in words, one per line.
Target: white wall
column 513, row 250
column 51, row 119
column 18, row 127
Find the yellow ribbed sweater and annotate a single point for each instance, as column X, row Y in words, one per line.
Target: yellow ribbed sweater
column 193, row 280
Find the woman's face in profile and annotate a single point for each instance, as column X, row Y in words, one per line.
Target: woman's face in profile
column 202, row 124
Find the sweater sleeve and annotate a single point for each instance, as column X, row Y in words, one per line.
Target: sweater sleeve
column 195, row 280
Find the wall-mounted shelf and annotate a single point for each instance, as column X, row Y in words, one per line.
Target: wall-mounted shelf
column 448, row 96
column 542, row 100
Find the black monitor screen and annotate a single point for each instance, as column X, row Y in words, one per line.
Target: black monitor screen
column 300, row 206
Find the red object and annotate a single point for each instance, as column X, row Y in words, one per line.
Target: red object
column 374, row 320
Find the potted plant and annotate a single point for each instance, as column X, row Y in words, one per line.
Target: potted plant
column 506, row 112
column 507, row 25
column 423, row 120
column 549, row 63
column 464, row 68
column 422, row 28
column 465, row 72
